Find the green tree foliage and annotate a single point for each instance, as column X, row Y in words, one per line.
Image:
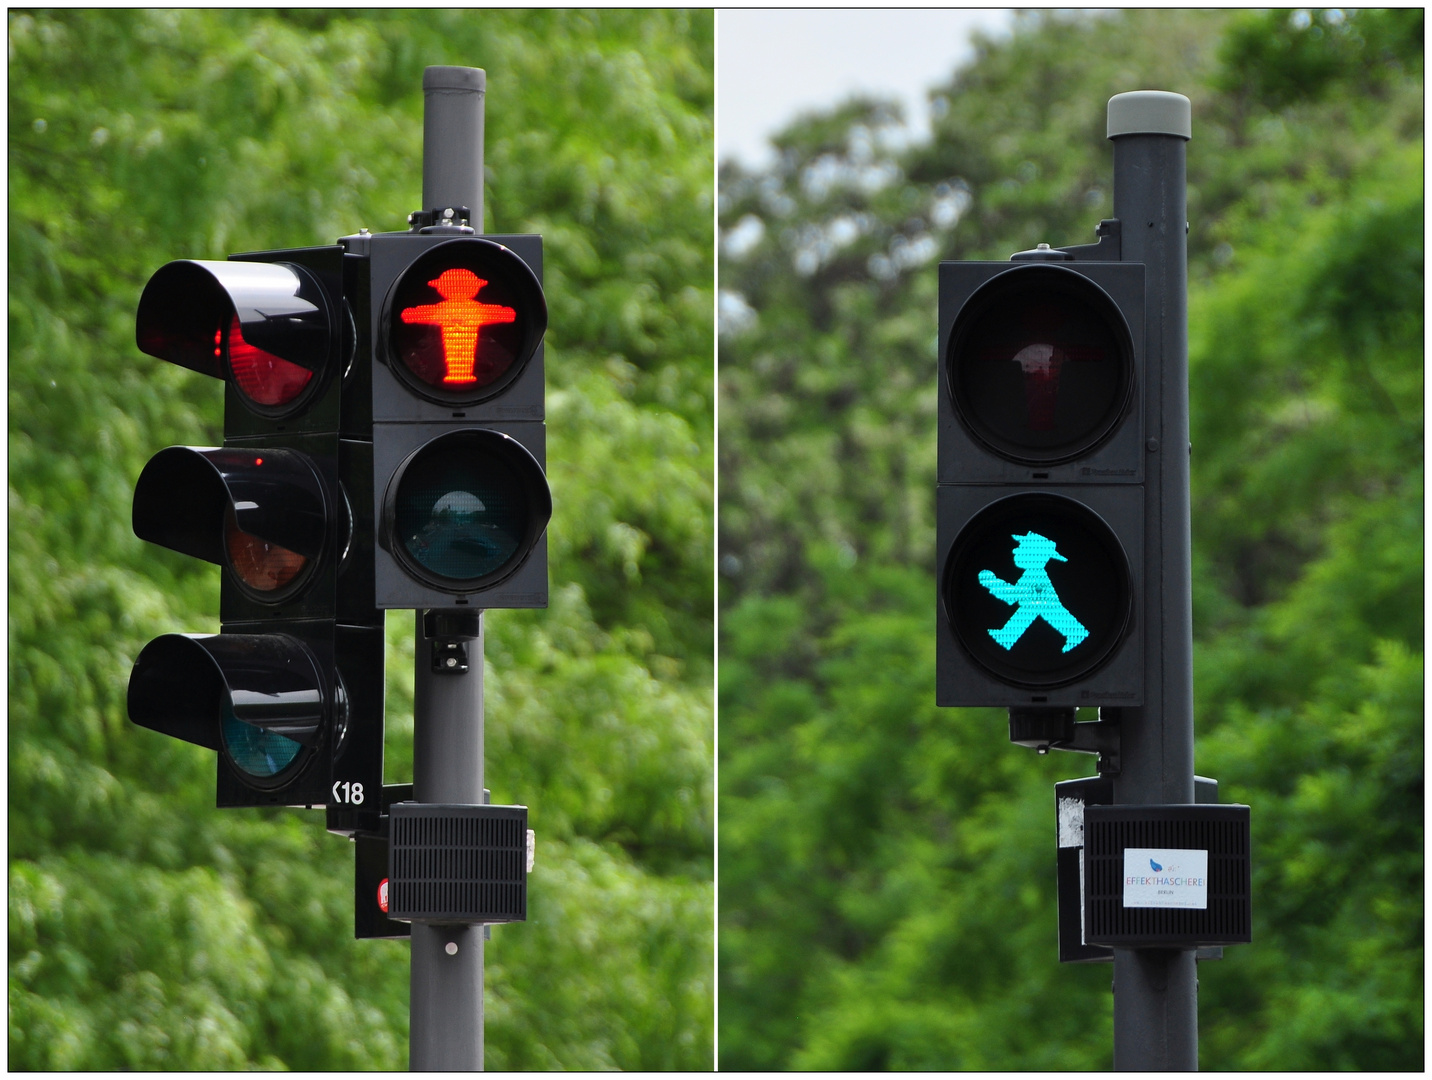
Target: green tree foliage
column 887, row 868
column 147, row 929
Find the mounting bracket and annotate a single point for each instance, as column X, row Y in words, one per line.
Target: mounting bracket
column 1055, row 729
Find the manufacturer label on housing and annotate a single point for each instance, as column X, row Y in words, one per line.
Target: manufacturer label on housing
column 1165, row 878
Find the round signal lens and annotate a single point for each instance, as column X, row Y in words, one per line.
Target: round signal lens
column 255, row 751
column 463, row 320
column 265, row 567
column 1040, row 365
column 262, row 377
column 1037, row 590
column 467, row 509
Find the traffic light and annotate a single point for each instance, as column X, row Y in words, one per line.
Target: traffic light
column 1040, row 504
column 454, row 325
column 290, row 691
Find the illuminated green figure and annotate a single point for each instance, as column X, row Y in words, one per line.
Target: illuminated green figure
column 1034, row 593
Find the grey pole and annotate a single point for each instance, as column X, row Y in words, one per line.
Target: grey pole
column 445, row 989
column 452, row 138
column 1156, row 990
column 445, row 984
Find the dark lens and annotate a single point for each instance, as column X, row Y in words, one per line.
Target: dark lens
column 254, row 750
column 462, row 510
column 1037, row 590
column 260, row 564
column 1041, row 369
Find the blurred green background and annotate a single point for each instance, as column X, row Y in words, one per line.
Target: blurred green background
column 147, row 929
column 887, row 867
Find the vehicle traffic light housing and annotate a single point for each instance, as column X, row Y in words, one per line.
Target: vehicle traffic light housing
column 455, row 326
column 1040, row 505
column 270, row 324
column 290, row 692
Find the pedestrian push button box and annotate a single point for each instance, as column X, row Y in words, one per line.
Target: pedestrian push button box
column 458, row 863
column 1167, row 876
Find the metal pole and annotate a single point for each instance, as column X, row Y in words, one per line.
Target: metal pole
column 445, row 986
column 446, row 981
column 1156, row 990
column 453, row 99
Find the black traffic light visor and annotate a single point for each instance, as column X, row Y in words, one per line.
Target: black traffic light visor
column 465, row 510
column 1040, row 364
column 461, row 322
column 186, row 310
column 184, row 685
column 182, row 497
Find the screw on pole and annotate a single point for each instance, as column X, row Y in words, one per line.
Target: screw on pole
column 446, row 983
column 1156, row 990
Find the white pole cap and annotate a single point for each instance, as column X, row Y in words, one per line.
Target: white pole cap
column 1150, row 112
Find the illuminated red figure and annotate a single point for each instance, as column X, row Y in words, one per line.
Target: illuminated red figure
column 459, row 317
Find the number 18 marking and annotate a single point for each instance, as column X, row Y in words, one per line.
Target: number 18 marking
column 352, row 793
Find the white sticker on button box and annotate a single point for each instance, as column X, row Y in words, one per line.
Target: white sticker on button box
column 1165, row 878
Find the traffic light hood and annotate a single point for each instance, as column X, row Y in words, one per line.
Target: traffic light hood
column 186, row 685
column 183, row 498
column 188, row 307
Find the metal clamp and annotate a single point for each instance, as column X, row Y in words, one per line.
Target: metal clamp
column 449, row 658
column 1055, row 729
column 1109, row 246
column 449, row 633
column 446, row 219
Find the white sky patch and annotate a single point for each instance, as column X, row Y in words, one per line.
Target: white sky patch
column 774, row 65
column 746, row 235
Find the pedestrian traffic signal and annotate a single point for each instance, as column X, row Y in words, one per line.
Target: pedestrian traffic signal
column 461, row 501
column 463, row 321
column 464, row 509
column 290, row 692
column 1040, row 509
column 1040, row 367
column 1040, row 584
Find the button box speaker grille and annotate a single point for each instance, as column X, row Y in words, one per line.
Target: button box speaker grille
column 1124, row 868
column 457, row 864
